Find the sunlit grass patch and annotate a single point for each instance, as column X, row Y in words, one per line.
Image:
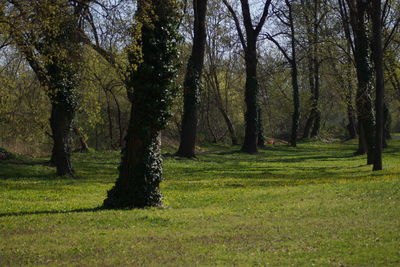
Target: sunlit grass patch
column 317, row 204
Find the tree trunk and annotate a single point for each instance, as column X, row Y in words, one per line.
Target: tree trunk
column 192, row 82
column 307, row 127
column 316, row 111
column 377, row 52
column 313, row 123
column 351, row 113
column 364, row 76
column 296, row 105
column 260, row 129
column 295, row 83
column 352, row 126
column 317, row 124
column 84, row 148
column 213, row 82
column 249, row 45
column 61, row 126
column 140, row 172
column 230, row 127
column 251, row 94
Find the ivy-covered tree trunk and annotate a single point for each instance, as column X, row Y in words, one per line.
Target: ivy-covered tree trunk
column 153, row 58
column 63, row 80
column 140, row 172
column 192, row 83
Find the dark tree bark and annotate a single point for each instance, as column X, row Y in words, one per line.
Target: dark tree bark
column 251, row 99
column 364, row 104
column 61, row 126
column 192, row 82
column 140, row 172
column 296, row 102
column 377, row 53
column 250, row 54
column 64, row 102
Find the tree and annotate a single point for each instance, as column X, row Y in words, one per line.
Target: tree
column 291, row 57
column 249, row 44
column 377, row 53
column 313, row 22
column 221, row 60
column 153, row 59
column 45, row 32
column 355, row 16
column 192, row 82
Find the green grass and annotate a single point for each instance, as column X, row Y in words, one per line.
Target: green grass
column 314, row 205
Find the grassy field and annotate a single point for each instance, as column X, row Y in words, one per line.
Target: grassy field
column 314, row 205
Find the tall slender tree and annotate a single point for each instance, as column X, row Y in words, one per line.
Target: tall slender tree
column 287, row 18
column 192, row 82
column 249, row 44
column 153, row 64
column 354, row 15
column 313, row 19
column 377, row 53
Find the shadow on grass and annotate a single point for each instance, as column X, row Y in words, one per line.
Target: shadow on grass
column 308, row 162
column 25, row 213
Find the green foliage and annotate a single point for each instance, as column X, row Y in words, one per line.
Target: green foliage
column 24, row 108
column 316, row 204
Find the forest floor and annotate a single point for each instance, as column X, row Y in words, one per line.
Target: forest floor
column 313, row 205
